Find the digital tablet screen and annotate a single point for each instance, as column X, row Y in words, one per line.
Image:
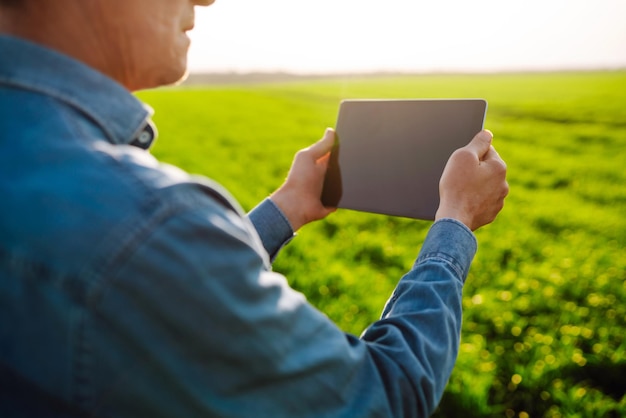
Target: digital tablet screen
column 389, row 154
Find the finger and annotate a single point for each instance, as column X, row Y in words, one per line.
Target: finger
column 324, row 145
column 323, row 161
column 493, row 159
column 480, row 145
column 494, row 155
column 491, row 154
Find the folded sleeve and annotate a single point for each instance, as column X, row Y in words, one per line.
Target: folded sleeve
column 272, row 226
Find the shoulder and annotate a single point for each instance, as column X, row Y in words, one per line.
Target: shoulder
column 158, row 198
column 81, row 205
column 149, row 186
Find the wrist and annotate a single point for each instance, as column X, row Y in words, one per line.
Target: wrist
column 457, row 215
column 282, row 202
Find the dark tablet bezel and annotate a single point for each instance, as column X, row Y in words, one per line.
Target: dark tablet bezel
column 390, row 154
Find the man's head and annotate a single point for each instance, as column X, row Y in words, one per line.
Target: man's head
column 139, row 43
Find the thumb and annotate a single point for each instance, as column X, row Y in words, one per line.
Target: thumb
column 481, row 143
column 323, row 146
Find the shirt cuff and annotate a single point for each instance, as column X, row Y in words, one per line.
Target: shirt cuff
column 453, row 241
column 272, row 226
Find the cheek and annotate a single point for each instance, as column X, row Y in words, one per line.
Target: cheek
column 171, row 43
column 161, row 58
column 176, row 55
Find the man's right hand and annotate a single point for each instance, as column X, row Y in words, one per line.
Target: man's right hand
column 473, row 184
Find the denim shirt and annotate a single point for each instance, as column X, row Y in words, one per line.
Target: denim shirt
column 129, row 288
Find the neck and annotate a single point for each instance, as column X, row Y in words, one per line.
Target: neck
column 66, row 29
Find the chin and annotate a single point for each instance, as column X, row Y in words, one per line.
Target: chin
column 182, row 79
column 166, row 76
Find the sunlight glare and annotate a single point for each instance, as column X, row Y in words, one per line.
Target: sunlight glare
column 408, row 35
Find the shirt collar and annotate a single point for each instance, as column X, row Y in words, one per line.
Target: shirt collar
column 121, row 116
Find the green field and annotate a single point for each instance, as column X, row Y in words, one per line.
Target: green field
column 545, row 304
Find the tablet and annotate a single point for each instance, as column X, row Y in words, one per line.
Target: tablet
column 389, row 154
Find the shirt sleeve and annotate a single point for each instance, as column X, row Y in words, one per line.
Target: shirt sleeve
column 421, row 323
column 272, row 226
column 193, row 325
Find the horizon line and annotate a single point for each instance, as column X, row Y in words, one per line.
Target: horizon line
column 232, row 76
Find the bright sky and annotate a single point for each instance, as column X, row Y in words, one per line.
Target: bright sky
column 408, row 35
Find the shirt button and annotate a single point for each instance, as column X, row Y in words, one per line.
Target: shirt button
column 144, row 137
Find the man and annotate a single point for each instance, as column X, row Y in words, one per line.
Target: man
column 130, row 289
